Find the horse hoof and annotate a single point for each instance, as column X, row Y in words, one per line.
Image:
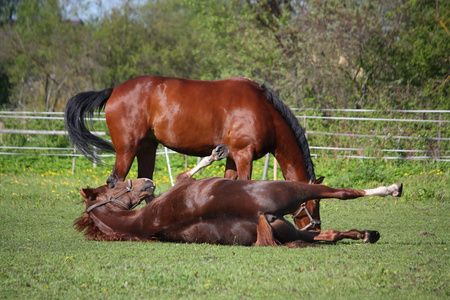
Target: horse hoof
column 398, row 192
column 371, row 236
column 222, row 151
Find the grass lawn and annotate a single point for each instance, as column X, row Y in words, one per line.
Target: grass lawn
column 43, row 257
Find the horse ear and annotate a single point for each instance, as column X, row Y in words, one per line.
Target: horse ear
column 88, row 193
column 319, row 180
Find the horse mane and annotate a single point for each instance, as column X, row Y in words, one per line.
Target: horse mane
column 296, row 128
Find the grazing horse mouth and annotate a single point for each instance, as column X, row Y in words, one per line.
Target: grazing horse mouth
column 148, row 190
column 147, row 193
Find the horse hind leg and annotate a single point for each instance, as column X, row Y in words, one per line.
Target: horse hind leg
column 121, row 167
column 126, row 149
column 218, row 153
column 395, row 190
column 146, row 163
column 289, row 236
column 264, row 233
column 322, row 192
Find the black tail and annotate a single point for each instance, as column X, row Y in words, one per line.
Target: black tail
column 79, row 108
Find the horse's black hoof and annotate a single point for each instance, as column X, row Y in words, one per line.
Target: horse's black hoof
column 223, row 151
column 112, row 179
column 371, row 236
column 399, row 191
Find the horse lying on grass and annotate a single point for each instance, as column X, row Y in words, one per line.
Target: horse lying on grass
column 213, row 211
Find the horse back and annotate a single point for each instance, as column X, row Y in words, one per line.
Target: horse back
column 192, row 116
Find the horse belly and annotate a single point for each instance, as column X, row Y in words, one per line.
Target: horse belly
column 227, row 232
column 198, row 135
column 188, row 134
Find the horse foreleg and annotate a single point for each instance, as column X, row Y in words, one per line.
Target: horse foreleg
column 368, row 236
column 146, row 157
column 288, row 235
column 244, row 160
column 230, row 169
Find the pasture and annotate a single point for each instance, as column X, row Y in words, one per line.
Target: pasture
column 42, row 256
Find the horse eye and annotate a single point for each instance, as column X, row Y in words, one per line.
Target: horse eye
column 112, row 186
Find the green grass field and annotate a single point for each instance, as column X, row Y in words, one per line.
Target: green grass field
column 43, row 257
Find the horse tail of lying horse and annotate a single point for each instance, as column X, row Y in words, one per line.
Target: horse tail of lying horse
column 79, row 108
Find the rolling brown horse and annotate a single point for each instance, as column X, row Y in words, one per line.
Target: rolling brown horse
column 191, row 117
column 214, row 211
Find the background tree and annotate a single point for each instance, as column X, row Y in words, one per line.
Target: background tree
column 418, row 61
column 8, row 9
column 333, row 54
column 44, row 53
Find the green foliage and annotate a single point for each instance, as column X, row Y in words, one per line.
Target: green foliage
column 47, row 57
column 419, row 56
column 8, row 9
column 5, row 87
column 337, row 54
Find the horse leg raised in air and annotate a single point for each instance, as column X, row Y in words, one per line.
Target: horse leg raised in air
column 215, row 211
column 191, row 117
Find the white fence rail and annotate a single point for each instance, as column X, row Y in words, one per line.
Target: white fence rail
column 438, row 118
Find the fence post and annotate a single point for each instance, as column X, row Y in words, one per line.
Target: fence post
column 168, row 165
column 74, row 159
column 266, row 166
column 439, row 137
column 304, row 126
column 275, row 169
column 94, row 163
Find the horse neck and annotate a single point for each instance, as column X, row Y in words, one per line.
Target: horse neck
column 292, row 151
column 141, row 224
column 289, row 155
column 116, row 222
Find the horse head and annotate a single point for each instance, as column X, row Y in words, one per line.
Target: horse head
column 126, row 194
column 307, row 216
column 123, row 196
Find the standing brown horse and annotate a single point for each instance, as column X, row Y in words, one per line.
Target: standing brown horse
column 214, row 211
column 191, row 117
